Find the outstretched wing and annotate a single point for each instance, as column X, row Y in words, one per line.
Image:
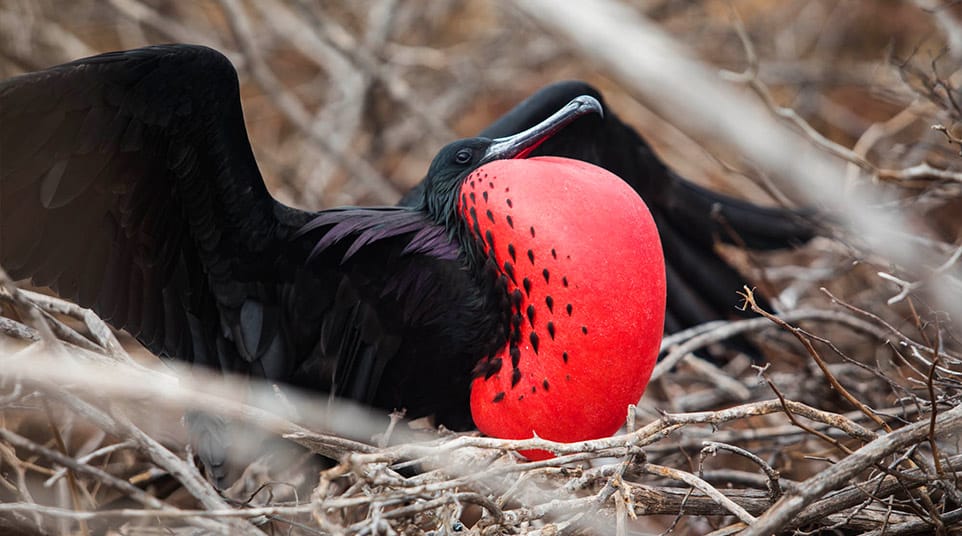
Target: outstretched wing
column 127, row 184
column 701, row 286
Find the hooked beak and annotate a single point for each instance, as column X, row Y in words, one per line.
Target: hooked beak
column 521, row 144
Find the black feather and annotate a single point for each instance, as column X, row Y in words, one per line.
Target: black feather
column 128, row 183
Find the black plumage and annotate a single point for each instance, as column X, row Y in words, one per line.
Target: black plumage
column 127, row 184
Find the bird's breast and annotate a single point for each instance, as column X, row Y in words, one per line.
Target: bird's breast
column 586, row 287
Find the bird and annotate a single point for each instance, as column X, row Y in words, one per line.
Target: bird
column 691, row 219
column 513, row 290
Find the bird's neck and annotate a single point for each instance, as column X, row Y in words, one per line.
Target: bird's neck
column 479, row 260
column 451, row 212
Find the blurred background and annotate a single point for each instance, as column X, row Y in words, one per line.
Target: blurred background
column 388, row 82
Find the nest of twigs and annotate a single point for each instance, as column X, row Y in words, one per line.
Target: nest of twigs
column 851, row 426
column 840, row 445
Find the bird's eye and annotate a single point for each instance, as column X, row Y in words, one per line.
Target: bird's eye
column 463, row 156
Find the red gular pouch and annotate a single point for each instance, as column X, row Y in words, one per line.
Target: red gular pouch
column 586, row 280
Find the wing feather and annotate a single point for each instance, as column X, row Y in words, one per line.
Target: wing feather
column 128, row 183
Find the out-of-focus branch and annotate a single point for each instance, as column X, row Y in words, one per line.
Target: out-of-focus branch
column 947, row 15
column 706, row 334
column 67, row 44
column 378, row 187
column 142, row 13
column 107, row 479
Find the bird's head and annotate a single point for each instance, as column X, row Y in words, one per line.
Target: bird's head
column 458, row 159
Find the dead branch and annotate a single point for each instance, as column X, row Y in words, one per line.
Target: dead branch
column 781, row 514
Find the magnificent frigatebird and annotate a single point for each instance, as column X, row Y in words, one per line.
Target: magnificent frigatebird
column 127, row 184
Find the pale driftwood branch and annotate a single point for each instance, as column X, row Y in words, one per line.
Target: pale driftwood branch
column 109, row 449
column 379, row 187
column 12, row 328
column 339, row 120
column 836, row 476
column 360, row 54
column 175, row 30
column 918, row 350
column 704, row 335
column 155, row 506
column 917, row 526
column 171, row 393
column 750, row 78
column 774, row 487
column 921, row 171
column 645, row 502
column 703, row 487
column 855, row 156
column 66, row 44
column 97, row 328
column 816, row 357
column 194, row 516
column 33, row 315
column 907, row 287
